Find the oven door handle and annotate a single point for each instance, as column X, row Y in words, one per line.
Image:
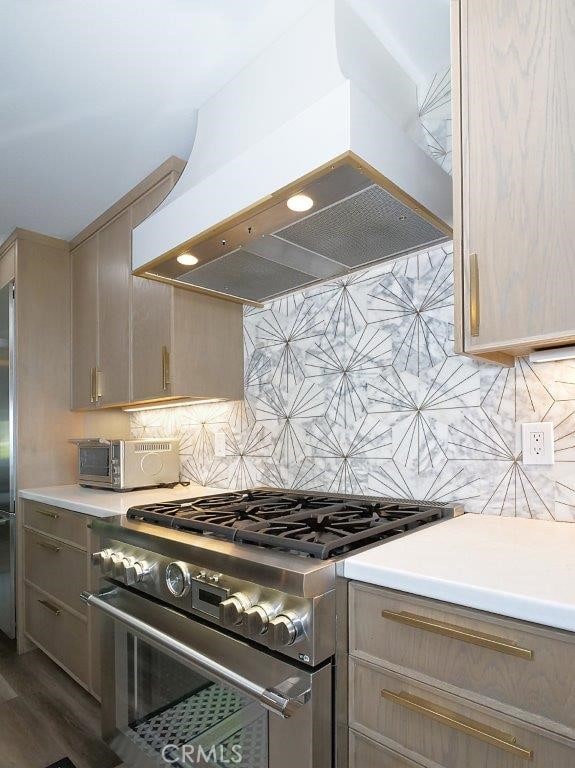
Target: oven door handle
column 270, row 698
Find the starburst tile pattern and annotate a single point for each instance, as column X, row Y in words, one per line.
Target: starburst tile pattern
column 415, row 301
column 348, row 453
column 344, row 367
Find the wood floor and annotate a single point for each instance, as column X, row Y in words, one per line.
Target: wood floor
column 45, row 716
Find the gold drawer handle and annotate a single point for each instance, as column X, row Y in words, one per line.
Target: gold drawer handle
column 446, row 717
column 49, row 547
column 474, row 295
column 54, row 609
column 52, row 515
column 492, row 642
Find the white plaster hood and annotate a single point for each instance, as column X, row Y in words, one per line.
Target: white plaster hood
column 325, row 109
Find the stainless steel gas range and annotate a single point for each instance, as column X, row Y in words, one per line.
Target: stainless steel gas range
column 219, row 623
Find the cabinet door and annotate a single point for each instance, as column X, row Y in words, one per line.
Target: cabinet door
column 114, row 275
column 151, row 338
column 517, row 160
column 208, row 349
column 151, row 315
column 84, row 321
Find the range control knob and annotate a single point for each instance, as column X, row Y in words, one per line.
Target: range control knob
column 284, row 630
column 102, row 558
column 114, row 566
column 256, row 620
column 232, row 609
column 135, row 572
column 120, row 566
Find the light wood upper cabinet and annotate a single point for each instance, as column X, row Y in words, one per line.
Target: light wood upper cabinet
column 207, row 346
column 151, row 338
column 138, row 340
column 151, row 316
column 84, row 322
column 514, row 154
column 114, row 277
column 101, row 275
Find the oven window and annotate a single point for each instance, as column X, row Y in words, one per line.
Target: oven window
column 175, row 716
column 95, row 461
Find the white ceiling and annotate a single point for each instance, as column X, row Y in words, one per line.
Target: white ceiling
column 96, row 94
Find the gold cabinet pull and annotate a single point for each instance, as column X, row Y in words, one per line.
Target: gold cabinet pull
column 98, row 388
column 474, row 295
column 165, row 368
column 482, row 639
column 446, row 717
column 44, row 513
column 49, row 547
column 52, row 608
column 92, row 385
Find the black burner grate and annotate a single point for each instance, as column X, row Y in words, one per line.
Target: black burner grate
column 321, row 526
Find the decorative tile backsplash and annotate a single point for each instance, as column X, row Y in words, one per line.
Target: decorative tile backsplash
column 353, row 386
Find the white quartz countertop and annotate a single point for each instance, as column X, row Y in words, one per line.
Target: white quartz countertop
column 103, row 503
column 511, row 566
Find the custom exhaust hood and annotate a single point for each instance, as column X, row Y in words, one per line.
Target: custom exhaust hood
column 323, row 112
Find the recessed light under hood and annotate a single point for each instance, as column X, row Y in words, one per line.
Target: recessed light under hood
column 339, row 140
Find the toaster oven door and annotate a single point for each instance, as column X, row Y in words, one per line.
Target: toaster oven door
column 95, row 463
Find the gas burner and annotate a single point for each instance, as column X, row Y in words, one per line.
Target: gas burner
column 315, row 525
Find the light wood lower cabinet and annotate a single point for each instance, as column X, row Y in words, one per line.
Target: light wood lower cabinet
column 366, row 753
column 57, row 568
column 442, row 685
column 503, row 663
column 55, row 522
column 61, row 634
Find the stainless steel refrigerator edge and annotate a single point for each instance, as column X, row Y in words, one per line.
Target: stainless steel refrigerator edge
column 7, row 474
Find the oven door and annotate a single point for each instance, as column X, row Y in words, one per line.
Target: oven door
column 178, row 692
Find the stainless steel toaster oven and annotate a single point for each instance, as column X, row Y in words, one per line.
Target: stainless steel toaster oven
column 123, row 465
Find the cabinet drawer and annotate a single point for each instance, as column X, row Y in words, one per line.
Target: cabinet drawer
column 56, row 568
column 365, row 753
column 56, row 522
column 506, row 661
column 58, row 632
column 444, row 729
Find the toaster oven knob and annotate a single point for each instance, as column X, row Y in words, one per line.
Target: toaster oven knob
column 232, row 609
column 283, row 630
column 256, row 620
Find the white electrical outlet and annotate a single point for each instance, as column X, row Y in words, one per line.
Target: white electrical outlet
column 220, row 447
column 537, row 443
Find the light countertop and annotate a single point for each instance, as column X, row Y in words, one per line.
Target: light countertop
column 511, row 566
column 103, row 503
